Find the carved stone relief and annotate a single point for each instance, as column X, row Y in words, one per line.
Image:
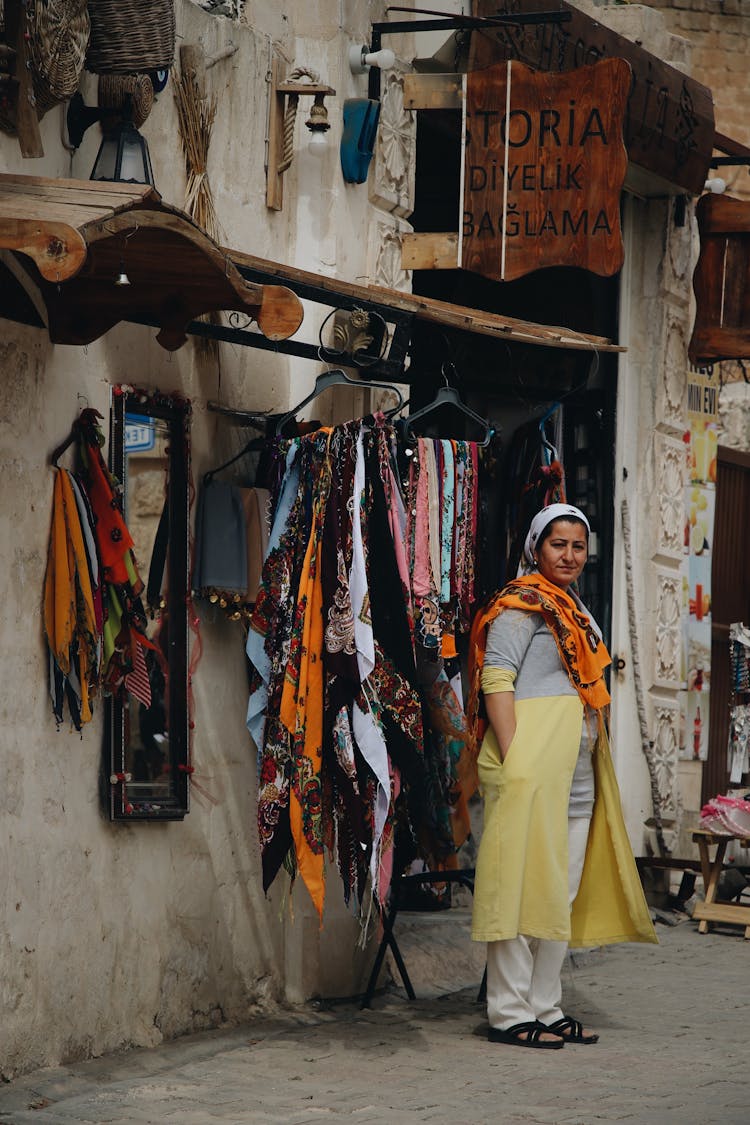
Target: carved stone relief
column 668, row 646
column 392, row 182
column 384, row 252
column 672, row 385
column 665, row 753
column 670, row 462
column 679, row 257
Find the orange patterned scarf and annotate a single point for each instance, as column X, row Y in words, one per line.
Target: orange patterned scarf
column 582, row 651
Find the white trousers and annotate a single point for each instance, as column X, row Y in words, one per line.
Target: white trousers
column 523, row 973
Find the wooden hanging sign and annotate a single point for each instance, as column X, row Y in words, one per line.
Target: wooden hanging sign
column 669, row 123
column 722, row 281
column 544, row 166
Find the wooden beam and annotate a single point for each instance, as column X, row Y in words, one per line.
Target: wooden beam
column 275, row 181
column 432, row 311
column 430, row 251
column 27, row 122
column 730, row 147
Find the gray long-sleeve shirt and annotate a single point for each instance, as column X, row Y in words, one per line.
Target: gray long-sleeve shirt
column 522, row 643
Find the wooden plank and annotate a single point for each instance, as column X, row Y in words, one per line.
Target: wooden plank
column 97, row 204
column 669, row 126
column 59, row 188
column 78, row 217
column 433, row 91
column 722, row 912
column 274, row 181
column 436, row 312
column 429, row 251
column 721, row 214
column 27, row 122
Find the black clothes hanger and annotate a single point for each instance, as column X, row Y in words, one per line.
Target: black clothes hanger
column 257, row 422
column 57, row 453
column 447, row 396
column 87, row 417
column 253, row 446
column 333, row 379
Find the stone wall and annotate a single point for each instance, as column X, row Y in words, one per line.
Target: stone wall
column 719, row 32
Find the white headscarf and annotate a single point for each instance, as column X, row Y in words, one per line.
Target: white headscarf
column 540, row 521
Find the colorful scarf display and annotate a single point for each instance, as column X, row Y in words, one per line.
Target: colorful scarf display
column 93, row 618
column 357, row 756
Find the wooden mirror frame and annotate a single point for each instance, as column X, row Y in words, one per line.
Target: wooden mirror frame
column 124, row 803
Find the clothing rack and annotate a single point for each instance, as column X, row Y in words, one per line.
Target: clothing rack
column 464, row 877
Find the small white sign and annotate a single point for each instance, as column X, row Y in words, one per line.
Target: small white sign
column 139, row 435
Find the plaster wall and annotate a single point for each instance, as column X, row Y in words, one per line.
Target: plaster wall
column 113, row 934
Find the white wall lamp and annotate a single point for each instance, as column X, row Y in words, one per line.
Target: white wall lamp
column 362, row 58
column 285, row 96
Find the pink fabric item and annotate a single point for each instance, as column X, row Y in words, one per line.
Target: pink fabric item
column 421, row 581
column 726, row 816
column 433, row 509
column 385, row 871
column 397, row 522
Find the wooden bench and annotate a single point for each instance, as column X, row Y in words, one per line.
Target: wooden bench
column 712, row 910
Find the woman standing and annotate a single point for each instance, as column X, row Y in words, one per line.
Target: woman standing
column 555, row 864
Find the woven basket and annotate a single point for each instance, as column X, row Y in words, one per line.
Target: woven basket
column 130, row 36
column 58, row 33
column 114, row 89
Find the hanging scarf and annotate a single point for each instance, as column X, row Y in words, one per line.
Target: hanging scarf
column 69, row 613
column 581, row 650
column 114, row 541
column 301, row 711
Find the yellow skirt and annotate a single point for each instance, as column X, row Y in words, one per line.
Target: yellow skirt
column 521, row 884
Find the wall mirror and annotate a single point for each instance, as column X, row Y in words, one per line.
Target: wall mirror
column 146, row 772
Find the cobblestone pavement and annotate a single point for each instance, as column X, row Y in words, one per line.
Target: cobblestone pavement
column 673, row 1051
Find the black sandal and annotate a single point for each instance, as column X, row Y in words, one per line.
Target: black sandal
column 571, row 1031
column 533, row 1036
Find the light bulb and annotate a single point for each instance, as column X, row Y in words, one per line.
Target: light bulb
column 317, row 144
column 384, row 58
column 360, row 59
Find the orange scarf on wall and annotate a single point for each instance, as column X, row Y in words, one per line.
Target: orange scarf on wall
column 69, row 614
column 582, row 651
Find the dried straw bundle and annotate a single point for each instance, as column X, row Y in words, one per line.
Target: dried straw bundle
column 196, row 114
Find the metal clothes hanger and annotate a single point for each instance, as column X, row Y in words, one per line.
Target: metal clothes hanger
column 549, row 450
column 448, row 396
column 87, row 416
column 251, row 446
column 57, row 453
column 333, row 379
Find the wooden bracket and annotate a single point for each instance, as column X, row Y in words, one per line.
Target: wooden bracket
column 279, row 92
